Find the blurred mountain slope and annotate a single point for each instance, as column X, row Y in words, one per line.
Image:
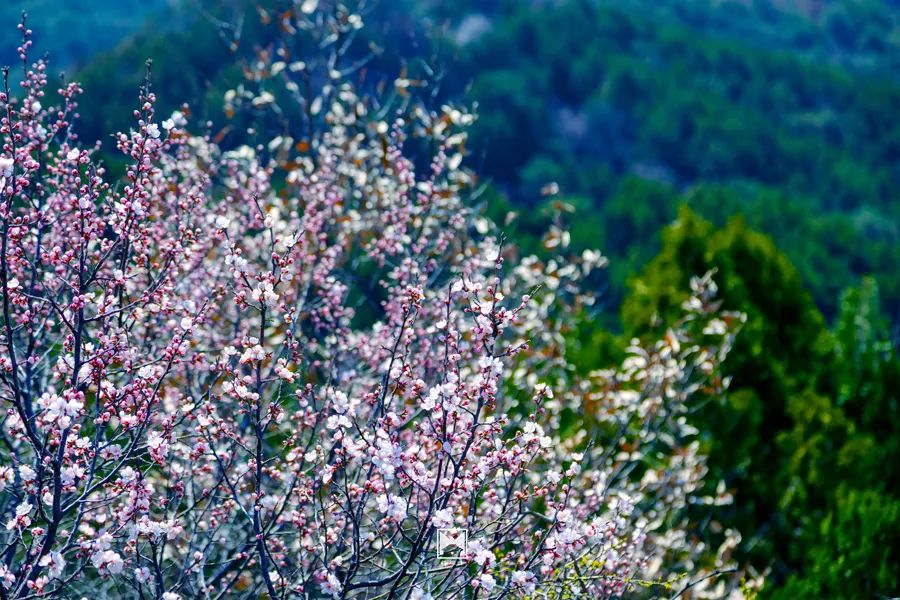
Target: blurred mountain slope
column 73, row 31
column 781, row 110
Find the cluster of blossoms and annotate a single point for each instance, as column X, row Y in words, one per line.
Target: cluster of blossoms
column 248, row 371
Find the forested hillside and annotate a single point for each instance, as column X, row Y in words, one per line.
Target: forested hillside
column 74, row 31
column 763, row 111
column 806, row 149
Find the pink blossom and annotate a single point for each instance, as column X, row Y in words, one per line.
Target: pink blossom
column 291, row 363
column 107, row 562
column 55, row 563
column 22, row 519
column 331, row 585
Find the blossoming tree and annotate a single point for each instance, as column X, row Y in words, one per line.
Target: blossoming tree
column 294, row 369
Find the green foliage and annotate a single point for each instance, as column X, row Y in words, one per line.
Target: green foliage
column 661, row 94
column 841, row 461
column 765, row 119
column 779, row 350
column 853, row 553
column 111, row 79
column 72, row 31
column 806, row 437
column 868, row 381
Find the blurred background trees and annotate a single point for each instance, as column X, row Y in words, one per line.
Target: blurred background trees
column 798, row 440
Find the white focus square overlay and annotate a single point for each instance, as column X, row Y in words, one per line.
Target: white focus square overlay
column 452, row 543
